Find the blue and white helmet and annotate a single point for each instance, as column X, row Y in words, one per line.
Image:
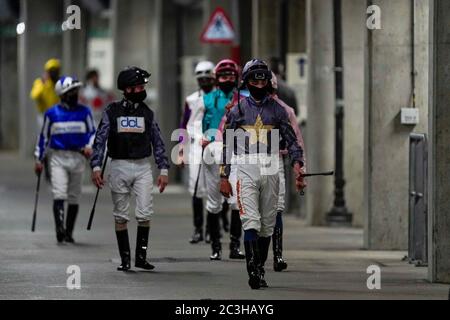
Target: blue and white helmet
column 65, row 84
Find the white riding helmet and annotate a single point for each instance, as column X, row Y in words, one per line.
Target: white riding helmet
column 204, row 69
column 65, row 84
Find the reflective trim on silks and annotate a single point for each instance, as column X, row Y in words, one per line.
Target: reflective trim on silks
column 131, row 176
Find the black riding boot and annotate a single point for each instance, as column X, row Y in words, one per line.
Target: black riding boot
column 264, row 244
column 235, row 252
column 197, row 205
column 124, row 249
column 58, row 213
column 214, row 229
column 72, row 212
column 235, row 236
column 207, row 234
column 253, row 261
column 278, row 263
column 141, row 249
column 224, row 216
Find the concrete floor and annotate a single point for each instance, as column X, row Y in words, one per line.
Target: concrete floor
column 323, row 263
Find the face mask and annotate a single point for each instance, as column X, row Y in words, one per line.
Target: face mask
column 54, row 75
column 257, row 93
column 206, row 84
column 207, row 89
column 71, row 99
column 227, row 86
column 136, row 97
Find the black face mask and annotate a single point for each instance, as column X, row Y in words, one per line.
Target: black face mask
column 54, row 75
column 258, row 93
column 206, row 84
column 207, row 89
column 71, row 99
column 227, row 86
column 136, row 97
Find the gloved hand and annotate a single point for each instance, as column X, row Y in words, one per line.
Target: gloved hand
column 300, row 182
column 225, row 188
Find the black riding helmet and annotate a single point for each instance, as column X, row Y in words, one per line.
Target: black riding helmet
column 132, row 76
column 256, row 69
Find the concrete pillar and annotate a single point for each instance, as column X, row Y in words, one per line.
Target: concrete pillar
column 265, row 17
column 192, row 27
column 9, row 122
column 353, row 33
column 133, row 25
column 42, row 40
column 439, row 148
column 297, row 26
column 389, row 88
column 144, row 43
column 169, row 87
column 321, row 120
column 74, row 44
column 422, row 60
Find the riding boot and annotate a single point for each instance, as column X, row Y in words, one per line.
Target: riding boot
column 264, row 244
column 141, row 249
column 253, row 261
column 278, row 263
column 207, row 234
column 235, row 235
column 124, row 249
column 214, row 228
column 72, row 212
column 224, row 216
column 197, row 204
column 58, row 213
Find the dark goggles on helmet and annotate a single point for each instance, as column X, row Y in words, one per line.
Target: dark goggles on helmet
column 259, row 75
column 226, row 73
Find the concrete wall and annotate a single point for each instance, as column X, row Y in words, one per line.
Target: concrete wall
column 389, row 89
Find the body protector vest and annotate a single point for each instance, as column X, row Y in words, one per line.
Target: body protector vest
column 130, row 135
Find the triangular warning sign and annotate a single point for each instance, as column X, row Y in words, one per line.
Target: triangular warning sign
column 219, row 29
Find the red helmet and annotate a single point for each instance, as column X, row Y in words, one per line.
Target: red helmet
column 225, row 67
